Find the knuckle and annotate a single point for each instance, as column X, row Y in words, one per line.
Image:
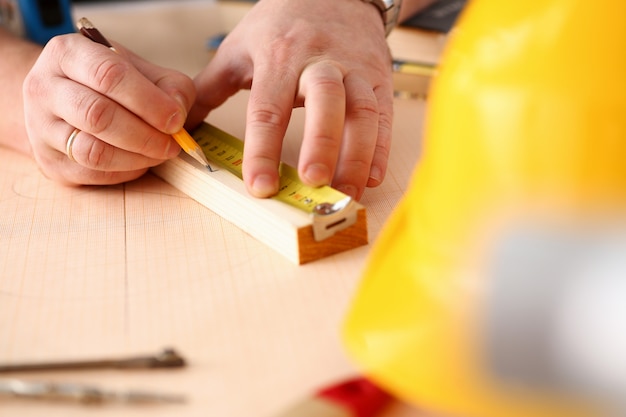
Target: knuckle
column 385, row 119
column 37, row 79
column 97, row 155
column 381, row 152
column 302, row 35
column 107, row 75
column 325, row 76
column 184, row 84
column 281, row 47
column 175, row 83
column 147, row 145
column 58, row 45
column 98, row 113
column 266, row 114
column 385, row 124
column 325, row 143
column 366, row 108
column 330, row 85
column 357, row 164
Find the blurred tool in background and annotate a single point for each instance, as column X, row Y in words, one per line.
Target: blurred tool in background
column 556, row 309
column 439, row 16
column 37, row 20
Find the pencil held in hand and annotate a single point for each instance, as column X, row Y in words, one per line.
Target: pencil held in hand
column 184, row 139
column 190, row 146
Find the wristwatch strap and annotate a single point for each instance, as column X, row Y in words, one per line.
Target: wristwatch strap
column 389, row 10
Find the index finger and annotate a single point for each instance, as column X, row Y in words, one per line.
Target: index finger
column 116, row 76
column 269, row 109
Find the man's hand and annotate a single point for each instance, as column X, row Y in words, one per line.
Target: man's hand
column 124, row 108
column 329, row 56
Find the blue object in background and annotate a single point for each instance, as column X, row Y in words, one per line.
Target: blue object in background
column 44, row 19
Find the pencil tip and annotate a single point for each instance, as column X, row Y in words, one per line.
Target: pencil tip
column 209, row 168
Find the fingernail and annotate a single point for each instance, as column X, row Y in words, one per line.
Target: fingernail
column 348, row 189
column 264, row 186
column 175, row 122
column 317, row 174
column 376, row 174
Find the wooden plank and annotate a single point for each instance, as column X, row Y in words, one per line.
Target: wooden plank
column 285, row 229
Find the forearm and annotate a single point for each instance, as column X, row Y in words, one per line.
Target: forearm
column 17, row 57
column 410, row 7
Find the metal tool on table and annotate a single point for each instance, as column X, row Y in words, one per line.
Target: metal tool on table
column 86, row 393
column 81, row 393
column 167, row 358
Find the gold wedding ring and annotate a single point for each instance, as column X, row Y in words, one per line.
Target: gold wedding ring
column 70, row 142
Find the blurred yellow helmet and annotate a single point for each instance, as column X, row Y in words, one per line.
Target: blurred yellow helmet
column 526, row 124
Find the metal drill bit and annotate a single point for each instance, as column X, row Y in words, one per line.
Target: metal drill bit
column 168, row 358
column 81, row 393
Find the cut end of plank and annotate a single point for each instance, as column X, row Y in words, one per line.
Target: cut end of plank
column 352, row 237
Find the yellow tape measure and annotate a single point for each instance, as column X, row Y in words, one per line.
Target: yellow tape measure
column 332, row 210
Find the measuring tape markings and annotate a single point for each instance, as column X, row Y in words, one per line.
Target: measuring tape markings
column 227, row 151
column 331, row 209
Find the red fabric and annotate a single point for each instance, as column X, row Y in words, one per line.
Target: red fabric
column 359, row 395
